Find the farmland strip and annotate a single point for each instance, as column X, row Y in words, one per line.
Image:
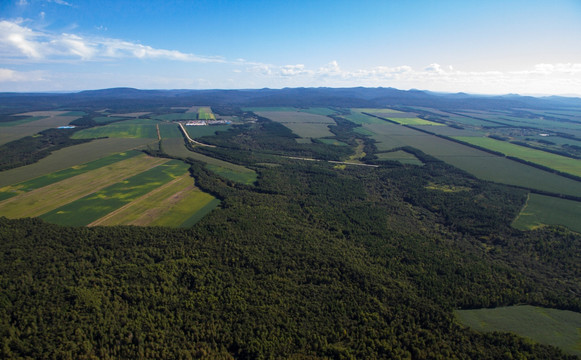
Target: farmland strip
column 48, row 198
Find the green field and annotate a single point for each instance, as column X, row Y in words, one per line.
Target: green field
column 332, row 142
column 96, row 205
column 71, row 156
column 553, row 161
column 201, row 131
column 319, row 111
column 170, row 131
column 246, row 177
column 548, row 326
column 546, row 210
column 126, row 129
column 107, row 119
column 205, row 113
column 401, row 156
column 177, row 117
column 481, row 164
column 413, row 121
column 305, row 130
column 360, row 119
column 305, row 125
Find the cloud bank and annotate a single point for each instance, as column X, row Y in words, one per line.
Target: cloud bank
column 18, row 42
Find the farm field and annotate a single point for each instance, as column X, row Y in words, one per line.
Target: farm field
column 303, row 124
column 169, row 205
column 400, row 156
column 205, row 113
column 332, row 142
column 89, row 208
column 244, row 177
column 72, row 156
column 547, row 210
column 20, row 120
column 42, row 200
column 176, row 116
column 478, row 163
column 201, row 131
column 11, row 133
column 413, row 121
column 107, row 119
column 449, row 131
column 548, row 326
column 36, row 183
column 125, row 129
column 553, row 161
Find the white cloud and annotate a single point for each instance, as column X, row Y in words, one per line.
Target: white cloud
column 9, row 75
column 60, row 2
column 22, row 2
column 293, row 70
column 20, row 42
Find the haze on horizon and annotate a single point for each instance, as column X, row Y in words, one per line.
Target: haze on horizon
column 485, row 47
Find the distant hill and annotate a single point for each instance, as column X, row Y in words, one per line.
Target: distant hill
column 300, row 97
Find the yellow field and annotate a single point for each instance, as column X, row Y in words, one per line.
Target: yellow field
column 48, row 198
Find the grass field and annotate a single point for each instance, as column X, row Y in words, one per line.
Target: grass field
column 546, row 210
column 479, row 163
column 301, row 117
column 305, row 130
column 360, row 119
column 47, row 198
column 205, row 113
column 125, row 129
column 170, row 131
column 71, row 156
column 548, row 326
column 332, row 142
column 305, row 125
column 244, row 177
column 88, row 209
column 319, row 111
column 401, row 156
column 107, row 119
column 177, row 116
column 11, row 133
column 553, row 161
column 201, row 131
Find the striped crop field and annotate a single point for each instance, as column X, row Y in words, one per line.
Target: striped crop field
column 552, row 161
column 127, row 188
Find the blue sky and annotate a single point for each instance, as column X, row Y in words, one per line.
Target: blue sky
column 490, row 47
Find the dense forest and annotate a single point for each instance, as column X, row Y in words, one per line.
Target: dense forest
column 312, row 261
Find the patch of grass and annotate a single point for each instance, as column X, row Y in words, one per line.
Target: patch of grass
column 285, row 117
column 548, row 326
column 96, row 205
column 170, row 131
column 75, row 113
column 201, row 131
column 319, row 111
column 333, row 142
column 306, row 130
column 107, row 119
column 553, row 161
column 546, row 210
column 199, row 214
column 177, row 116
column 247, row 177
column 401, row 156
column 360, row 119
column 413, row 121
column 259, row 109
